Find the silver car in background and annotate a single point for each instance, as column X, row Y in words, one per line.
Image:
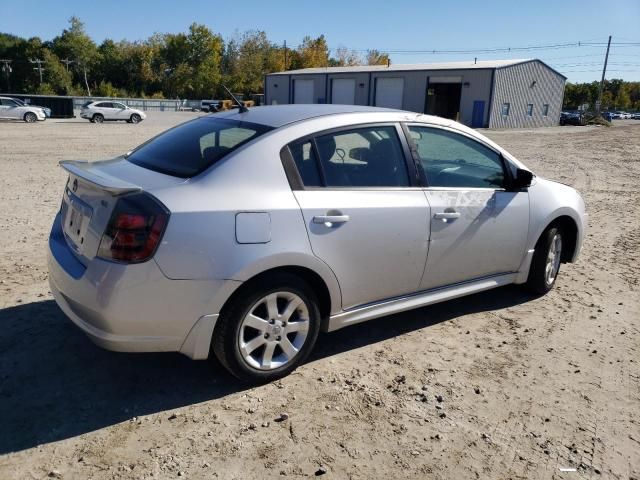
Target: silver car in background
column 16, row 109
column 101, row 111
column 242, row 235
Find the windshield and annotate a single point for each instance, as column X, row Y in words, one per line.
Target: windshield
column 18, row 101
column 190, row 148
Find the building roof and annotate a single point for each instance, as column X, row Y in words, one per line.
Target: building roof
column 470, row 65
column 279, row 115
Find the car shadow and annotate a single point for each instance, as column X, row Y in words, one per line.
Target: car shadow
column 56, row 384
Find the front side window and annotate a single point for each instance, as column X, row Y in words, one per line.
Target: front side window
column 190, row 148
column 363, row 157
column 529, row 109
column 505, row 109
column 455, row 161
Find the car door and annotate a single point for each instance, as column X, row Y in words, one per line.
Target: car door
column 107, row 110
column 478, row 227
column 120, row 111
column 365, row 214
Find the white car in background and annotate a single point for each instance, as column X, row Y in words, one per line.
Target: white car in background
column 98, row 112
column 10, row 108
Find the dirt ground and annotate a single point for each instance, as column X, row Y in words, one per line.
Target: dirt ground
column 497, row 385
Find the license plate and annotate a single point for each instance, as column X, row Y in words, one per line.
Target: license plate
column 76, row 220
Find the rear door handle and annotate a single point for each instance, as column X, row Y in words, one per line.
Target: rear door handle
column 446, row 215
column 330, row 220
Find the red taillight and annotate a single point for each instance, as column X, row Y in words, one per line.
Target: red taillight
column 135, row 229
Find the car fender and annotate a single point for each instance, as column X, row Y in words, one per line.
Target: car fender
column 550, row 200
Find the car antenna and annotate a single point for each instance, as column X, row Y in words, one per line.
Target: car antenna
column 243, row 108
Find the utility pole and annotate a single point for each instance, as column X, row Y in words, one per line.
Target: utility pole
column 604, row 71
column 67, row 62
column 38, row 62
column 6, row 68
column 285, row 54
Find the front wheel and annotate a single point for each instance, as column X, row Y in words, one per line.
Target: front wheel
column 545, row 264
column 135, row 118
column 30, row 117
column 268, row 330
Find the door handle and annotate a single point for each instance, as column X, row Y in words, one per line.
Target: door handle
column 330, row 220
column 446, row 215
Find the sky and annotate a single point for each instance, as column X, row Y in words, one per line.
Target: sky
column 562, row 27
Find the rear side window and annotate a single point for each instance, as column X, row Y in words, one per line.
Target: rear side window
column 190, row 148
column 306, row 162
column 361, row 157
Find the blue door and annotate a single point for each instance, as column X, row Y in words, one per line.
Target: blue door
column 477, row 118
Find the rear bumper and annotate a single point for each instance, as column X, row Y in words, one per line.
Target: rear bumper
column 134, row 308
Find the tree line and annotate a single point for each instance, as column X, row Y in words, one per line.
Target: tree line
column 194, row 64
column 616, row 95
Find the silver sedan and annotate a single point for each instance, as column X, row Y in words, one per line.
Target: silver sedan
column 242, row 235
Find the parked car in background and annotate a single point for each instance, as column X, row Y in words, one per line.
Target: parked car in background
column 635, row 116
column 572, row 118
column 12, row 108
column 608, row 116
column 242, row 234
column 46, row 110
column 210, row 106
column 100, row 111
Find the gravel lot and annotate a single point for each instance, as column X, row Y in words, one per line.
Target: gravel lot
column 497, row 385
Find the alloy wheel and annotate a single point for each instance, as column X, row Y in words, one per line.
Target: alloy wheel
column 274, row 330
column 553, row 259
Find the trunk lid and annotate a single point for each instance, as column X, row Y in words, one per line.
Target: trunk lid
column 91, row 193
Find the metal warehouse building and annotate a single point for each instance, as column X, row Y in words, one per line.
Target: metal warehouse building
column 494, row 94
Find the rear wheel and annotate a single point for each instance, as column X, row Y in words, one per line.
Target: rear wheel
column 135, row 118
column 269, row 331
column 30, row 117
column 97, row 118
column 545, row 264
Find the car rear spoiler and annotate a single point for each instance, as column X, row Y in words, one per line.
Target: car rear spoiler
column 85, row 170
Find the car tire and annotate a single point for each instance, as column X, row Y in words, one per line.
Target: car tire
column 30, row 117
column 135, row 118
column 252, row 343
column 545, row 265
column 97, row 118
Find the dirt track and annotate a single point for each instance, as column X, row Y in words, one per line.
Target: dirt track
column 497, row 385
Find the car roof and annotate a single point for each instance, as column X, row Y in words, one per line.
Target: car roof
column 280, row 115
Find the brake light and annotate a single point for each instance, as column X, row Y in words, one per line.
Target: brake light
column 134, row 230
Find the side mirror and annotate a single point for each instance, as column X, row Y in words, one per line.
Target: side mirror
column 522, row 180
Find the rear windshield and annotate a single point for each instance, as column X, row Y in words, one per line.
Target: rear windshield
column 190, row 148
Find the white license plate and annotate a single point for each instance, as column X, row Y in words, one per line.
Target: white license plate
column 76, row 221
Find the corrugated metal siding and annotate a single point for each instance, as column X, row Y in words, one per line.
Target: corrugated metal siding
column 513, row 85
column 362, row 86
column 276, row 89
column 414, row 93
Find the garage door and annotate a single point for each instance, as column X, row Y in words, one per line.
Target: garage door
column 303, row 91
column 343, row 91
column 389, row 92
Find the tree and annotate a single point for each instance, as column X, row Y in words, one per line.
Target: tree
column 74, row 43
column 375, row 57
column 247, row 58
column 345, row 58
column 313, row 52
